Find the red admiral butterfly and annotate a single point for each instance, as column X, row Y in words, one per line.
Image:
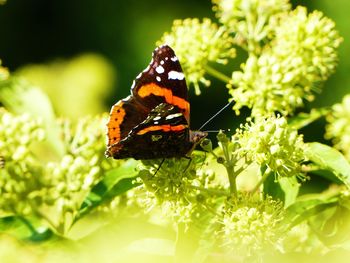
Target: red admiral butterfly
column 153, row 122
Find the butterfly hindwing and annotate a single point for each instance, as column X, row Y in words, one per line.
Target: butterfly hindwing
column 163, row 134
column 124, row 116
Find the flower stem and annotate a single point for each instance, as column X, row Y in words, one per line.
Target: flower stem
column 217, row 74
column 232, row 179
column 262, row 180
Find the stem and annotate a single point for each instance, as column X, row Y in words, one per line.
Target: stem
column 217, row 74
column 232, row 179
column 233, row 184
column 262, row 180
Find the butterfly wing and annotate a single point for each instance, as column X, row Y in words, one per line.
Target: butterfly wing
column 124, row 116
column 162, row 82
column 164, row 133
column 132, row 126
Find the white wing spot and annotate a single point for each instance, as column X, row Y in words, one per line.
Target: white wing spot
column 156, row 122
column 139, row 76
column 158, row 79
column 176, row 75
column 172, row 116
column 174, row 58
column 157, row 118
column 166, row 58
column 160, row 69
column 162, row 62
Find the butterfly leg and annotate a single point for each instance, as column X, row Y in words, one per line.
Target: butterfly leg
column 160, row 165
column 189, row 163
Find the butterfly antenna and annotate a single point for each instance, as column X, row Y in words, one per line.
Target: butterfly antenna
column 216, row 114
column 216, row 131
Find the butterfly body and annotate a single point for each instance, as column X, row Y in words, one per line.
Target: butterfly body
column 153, row 122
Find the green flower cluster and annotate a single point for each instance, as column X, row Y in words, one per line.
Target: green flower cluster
column 79, row 170
column 179, row 187
column 271, row 143
column 196, row 44
column 250, row 227
column 20, row 176
column 249, row 20
column 338, row 128
column 301, row 55
column 52, row 191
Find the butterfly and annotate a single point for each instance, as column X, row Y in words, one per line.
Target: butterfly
column 153, row 122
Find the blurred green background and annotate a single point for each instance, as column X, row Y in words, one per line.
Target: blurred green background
column 124, row 33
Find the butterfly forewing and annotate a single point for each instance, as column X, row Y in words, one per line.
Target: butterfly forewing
column 162, row 82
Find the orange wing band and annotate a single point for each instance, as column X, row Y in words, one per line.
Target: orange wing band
column 154, row 89
column 165, row 128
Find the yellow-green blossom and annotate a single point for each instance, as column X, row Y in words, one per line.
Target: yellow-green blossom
column 308, row 43
column 272, row 143
column 302, row 54
column 338, row 128
column 249, row 19
column 178, row 187
column 53, row 191
column 197, row 43
column 21, row 173
column 250, row 227
column 71, row 179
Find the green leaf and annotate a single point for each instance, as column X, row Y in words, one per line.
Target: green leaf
column 116, row 182
column 14, row 226
column 290, row 187
column 303, row 119
column 285, row 189
column 332, row 226
column 273, row 188
column 330, row 159
column 308, row 206
column 25, row 228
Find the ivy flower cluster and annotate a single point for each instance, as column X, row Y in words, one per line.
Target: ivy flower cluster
column 53, row 191
column 249, row 20
column 197, row 43
column 301, row 55
column 20, row 174
column 178, row 187
column 338, row 128
column 83, row 165
column 271, row 143
column 250, row 227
